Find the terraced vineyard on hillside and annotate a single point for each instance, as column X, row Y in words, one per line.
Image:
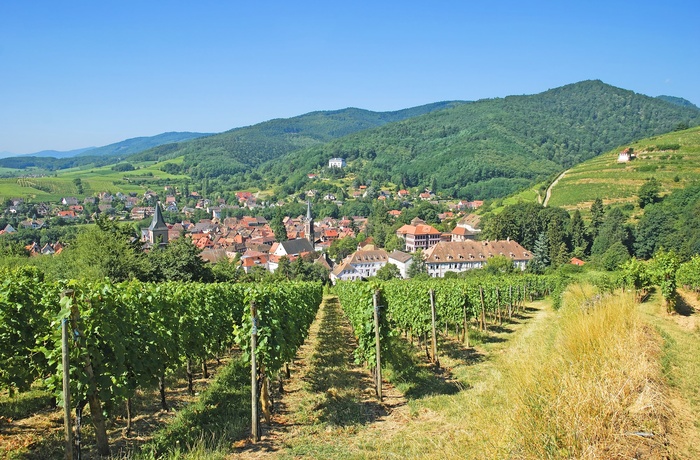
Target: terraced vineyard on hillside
column 673, row 159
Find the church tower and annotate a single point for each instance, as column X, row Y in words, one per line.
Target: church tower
column 158, row 230
column 309, row 224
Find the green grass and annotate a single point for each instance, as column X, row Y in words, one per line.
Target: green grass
column 206, row 428
column 680, row 361
column 602, row 177
column 23, row 405
column 94, row 180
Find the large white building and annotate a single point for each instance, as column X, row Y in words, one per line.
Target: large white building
column 367, row 261
column 336, row 163
column 467, row 255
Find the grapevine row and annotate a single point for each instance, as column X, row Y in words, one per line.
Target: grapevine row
column 406, row 304
column 129, row 336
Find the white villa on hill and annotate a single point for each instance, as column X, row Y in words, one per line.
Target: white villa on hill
column 336, row 163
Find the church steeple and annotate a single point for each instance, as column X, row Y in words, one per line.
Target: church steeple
column 158, row 230
column 309, row 224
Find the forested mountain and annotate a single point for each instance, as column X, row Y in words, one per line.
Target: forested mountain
column 139, row 144
column 240, row 149
column 493, row 147
column 678, row 101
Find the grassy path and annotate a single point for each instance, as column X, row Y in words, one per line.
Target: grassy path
column 681, row 361
column 327, row 397
column 329, row 408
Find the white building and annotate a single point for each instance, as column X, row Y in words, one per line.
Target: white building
column 362, row 264
column 467, row 255
column 336, row 163
column 401, row 260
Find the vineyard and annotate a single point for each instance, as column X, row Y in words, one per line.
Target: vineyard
column 405, row 307
column 127, row 340
column 127, row 337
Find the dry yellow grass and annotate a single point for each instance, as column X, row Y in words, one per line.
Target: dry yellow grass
column 596, row 391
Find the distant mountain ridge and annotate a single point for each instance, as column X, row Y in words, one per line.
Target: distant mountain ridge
column 139, row 144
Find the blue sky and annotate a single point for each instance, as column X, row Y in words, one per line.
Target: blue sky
column 83, row 73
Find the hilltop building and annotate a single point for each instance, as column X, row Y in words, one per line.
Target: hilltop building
column 336, row 163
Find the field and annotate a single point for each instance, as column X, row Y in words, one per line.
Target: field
column 49, row 188
column 673, row 159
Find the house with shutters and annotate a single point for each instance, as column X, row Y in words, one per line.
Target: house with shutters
column 468, row 255
column 418, row 235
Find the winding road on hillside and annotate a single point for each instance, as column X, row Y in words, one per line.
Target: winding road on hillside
column 549, row 190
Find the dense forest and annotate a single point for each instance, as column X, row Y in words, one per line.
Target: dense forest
column 493, row 147
column 238, row 150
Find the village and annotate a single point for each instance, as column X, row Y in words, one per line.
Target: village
column 251, row 241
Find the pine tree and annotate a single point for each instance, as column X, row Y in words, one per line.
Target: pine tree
column 597, row 217
column 540, row 255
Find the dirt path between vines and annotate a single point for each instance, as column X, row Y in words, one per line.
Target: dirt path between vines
column 328, row 395
column 330, row 410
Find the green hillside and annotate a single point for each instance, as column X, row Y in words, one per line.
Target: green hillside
column 240, row 149
column 93, row 179
column 673, row 159
column 491, row 148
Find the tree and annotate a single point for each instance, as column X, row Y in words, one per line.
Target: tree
column 106, row 252
column 555, row 240
column 394, row 243
column 179, row 261
column 649, row 192
column 613, row 230
column 578, row 234
column 616, row 255
column 499, row 264
column 278, row 227
column 597, row 217
column 417, row 266
column 342, row 248
column 284, row 269
column 388, row 272
column 540, row 255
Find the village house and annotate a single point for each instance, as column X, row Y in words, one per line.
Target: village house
column 402, row 261
column 418, row 235
column 252, row 259
column 467, row 255
column 291, row 249
column 362, row 264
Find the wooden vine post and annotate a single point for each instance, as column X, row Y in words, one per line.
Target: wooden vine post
column 483, row 308
column 375, row 300
column 466, row 323
column 255, row 416
column 65, row 353
column 435, row 359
